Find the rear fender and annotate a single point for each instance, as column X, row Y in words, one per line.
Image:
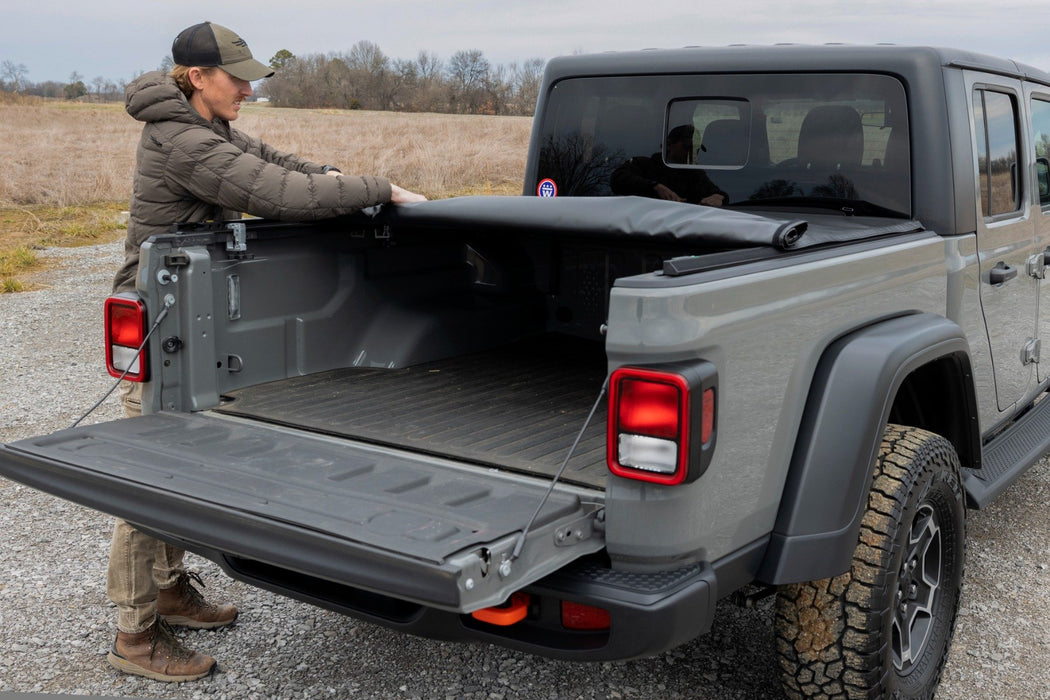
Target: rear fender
column 850, row 402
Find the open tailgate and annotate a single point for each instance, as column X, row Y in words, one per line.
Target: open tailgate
column 423, row 529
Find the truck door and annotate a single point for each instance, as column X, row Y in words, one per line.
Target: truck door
column 1039, row 109
column 1005, row 235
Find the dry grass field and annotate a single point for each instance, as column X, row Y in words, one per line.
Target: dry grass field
column 67, row 167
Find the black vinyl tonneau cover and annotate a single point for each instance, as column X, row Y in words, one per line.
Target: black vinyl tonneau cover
column 703, row 228
column 637, row 217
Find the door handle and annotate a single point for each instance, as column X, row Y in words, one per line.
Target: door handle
column 1001, row 273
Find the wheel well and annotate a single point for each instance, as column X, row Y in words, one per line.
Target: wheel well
column 938, row 397
column 912, row 370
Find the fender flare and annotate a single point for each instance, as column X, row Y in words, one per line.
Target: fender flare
column 848, row 406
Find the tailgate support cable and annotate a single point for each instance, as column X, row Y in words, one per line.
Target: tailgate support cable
column 550, row 489
column 169, row 302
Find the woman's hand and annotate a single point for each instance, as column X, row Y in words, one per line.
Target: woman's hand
column 399, row 195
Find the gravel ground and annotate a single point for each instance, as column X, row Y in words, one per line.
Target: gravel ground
column 56, row 624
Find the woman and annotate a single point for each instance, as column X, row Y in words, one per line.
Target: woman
column 192, row 166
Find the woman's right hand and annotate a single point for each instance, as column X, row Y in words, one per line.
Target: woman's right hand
column 399, row 195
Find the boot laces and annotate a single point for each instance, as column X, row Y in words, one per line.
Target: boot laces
column 187, row 591
column 164, row 638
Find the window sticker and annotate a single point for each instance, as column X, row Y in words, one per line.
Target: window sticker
column 547, row 188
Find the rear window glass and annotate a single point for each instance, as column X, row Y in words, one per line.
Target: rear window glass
column 806, row 139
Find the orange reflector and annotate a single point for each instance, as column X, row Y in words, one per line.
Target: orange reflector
column 510, row 613
column 577, row 616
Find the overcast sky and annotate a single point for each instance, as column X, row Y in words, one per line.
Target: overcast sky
column 119, row 39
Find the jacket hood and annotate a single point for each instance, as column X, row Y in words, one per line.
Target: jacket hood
column 154, row 97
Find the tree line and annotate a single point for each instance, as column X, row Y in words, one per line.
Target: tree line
column 362, row 78
column 13, row 79
column 366, row 78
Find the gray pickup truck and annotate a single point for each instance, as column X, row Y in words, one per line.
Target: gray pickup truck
column 571, row 422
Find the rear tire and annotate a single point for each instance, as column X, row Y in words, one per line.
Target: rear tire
column 884, row 628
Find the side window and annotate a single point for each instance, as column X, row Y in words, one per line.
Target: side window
column 1041, row 139
column 995, row 124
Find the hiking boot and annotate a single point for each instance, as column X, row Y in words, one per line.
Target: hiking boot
column 156, row 654
column 182, row 604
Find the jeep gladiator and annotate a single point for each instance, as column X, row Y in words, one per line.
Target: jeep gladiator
column 571, row 422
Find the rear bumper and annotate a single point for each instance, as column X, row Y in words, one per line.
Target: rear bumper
column 649, row 613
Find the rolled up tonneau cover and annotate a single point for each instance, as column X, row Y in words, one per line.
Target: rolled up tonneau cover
column 707, row 228
column 601, row 216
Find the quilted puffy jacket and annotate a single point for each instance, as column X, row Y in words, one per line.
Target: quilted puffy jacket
column 189, row 170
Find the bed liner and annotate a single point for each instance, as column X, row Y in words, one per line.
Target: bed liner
column 517, row 407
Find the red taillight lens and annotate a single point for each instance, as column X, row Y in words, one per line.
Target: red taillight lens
column 577, row 616
column 661, row 422
column 125, row 318
column 649, row 408
column 125, row 326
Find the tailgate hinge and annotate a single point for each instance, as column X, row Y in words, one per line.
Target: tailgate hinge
column 579, row 531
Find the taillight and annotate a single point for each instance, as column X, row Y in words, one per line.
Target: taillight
column 662, row 422
column 125, row 331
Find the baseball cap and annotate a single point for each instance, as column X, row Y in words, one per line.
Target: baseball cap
column 208, row 44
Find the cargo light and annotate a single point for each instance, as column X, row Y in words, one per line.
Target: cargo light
column 125, row 327
column 662, row 422
column 577, row 616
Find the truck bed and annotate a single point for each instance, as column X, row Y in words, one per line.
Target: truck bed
column 516, row 407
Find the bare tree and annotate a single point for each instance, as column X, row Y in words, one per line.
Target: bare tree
column 337, row 84
column 13, row 76
column 429, row 92
column 527, row 78
column 499, row 89
column 370, row 73
column 429, row 66
column 468, row 74
column 299, row 83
